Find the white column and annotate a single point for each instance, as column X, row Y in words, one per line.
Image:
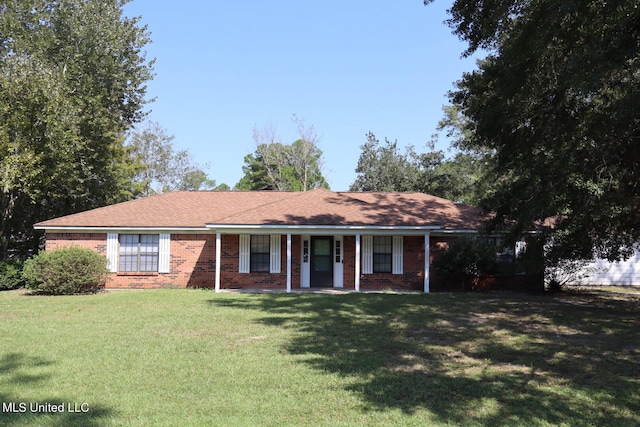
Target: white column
column 426, row 263
column 218, row 259
column 289, row 262
column 357, row 281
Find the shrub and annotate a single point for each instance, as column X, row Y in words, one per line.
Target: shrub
column 66, row 271
column 467, row 256
column 559, row 273
column 11, row 275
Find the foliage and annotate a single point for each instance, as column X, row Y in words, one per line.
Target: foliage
column 469, row 256
column 161, row 167
column 566, row 272
column 382, row 167
column 281, row 167
column 10, row 275
column 554, row 108
column 66, row 271
column 72, row 81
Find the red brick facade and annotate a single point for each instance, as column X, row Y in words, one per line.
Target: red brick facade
column 193, row 265
column 193, row 260
column 94, row 241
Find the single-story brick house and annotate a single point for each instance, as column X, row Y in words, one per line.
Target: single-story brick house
column 269, row 239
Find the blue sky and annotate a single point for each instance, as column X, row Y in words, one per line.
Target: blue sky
column 346, row 67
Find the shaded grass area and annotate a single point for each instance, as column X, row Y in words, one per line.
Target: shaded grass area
column 193, row 357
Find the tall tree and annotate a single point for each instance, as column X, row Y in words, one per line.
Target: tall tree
column 383, row 167
column 161, row 167
column 555, row 106
column 282, row 167
column 72, row 81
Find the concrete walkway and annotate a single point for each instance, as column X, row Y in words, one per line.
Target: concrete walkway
column 327, row 291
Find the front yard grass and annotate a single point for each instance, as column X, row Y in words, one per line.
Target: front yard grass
column 194, row 357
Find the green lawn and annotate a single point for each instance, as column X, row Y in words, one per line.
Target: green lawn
column 194, row 357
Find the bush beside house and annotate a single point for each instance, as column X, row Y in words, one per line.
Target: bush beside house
column 66, row 271
column 477, row 264
column 11, row 275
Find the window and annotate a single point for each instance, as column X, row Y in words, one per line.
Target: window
column 260, row 253
column 139, row 252
column 382, row 254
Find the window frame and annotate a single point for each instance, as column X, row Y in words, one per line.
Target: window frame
column 260, row 253
column 141, row 255
column 382, row 247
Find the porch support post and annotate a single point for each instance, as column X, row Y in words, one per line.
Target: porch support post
column 289, row 262
column 426, row 262
column 218, row 259
column 357, row 278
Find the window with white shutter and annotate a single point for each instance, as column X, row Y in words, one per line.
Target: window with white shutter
column 398, row 259
column 112, row 252
column 367, row 254
column 245, row 254
column 164, row 261
column 274, row 266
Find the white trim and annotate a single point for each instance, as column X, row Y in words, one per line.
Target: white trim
column 274, row 254
column 357, row 278
column 244, row 256
column 305, row 267
column 289, row 262
column 124, row 229
column 427, row 251
column 337, row 259
column 218, row 260
column 367, row 254
column 164, row 253
column 112, row 252
column 397, row 261
column 447, row 232
column 348, row 230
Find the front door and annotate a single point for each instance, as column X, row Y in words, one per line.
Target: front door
column 321, row 261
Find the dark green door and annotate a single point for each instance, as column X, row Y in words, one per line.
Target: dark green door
column 321, row 261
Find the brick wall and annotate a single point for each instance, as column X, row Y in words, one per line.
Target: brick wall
column 193, row 257
column 413, row 268
column 230, row 278
column 348, row 259
column 94, row 241
column 192, row 263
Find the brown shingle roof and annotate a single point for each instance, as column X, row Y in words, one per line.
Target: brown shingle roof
column 198, row 209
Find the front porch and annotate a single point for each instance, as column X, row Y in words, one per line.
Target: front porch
column 354, row 262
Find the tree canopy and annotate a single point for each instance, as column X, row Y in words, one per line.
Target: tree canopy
column 283, row 167
column 72, row 82
column 383, row 167
column 555, row 108
column 160, row 166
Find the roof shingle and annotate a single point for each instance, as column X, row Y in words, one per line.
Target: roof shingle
column 197, row 209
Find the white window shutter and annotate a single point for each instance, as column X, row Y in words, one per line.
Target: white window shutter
column 112, row 252
column 275, row 254
column 398, row 259
column 164, row 258
column 245, row 254
column 367, row 254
